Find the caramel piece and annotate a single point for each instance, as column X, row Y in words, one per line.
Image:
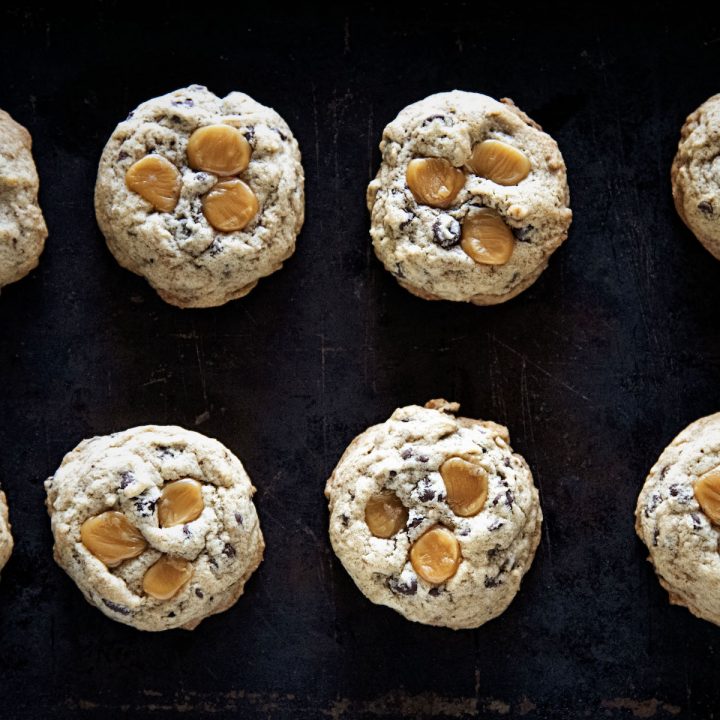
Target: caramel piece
column 218, row 149
column 180, row 502
column 112, row 538
column 385, row 514
column 435, row 556
column 707, row 493
column 434, row 181
column 486, row 238
column 230, row 205
column 166, row 577
column 499, row 162
column 156, row 180
column 466, row 484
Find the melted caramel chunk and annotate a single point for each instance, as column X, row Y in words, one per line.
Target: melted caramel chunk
column 499, row 162
column 180, row 502
column 218, row 149
column 435, row 556
column 156, row 180
column 385, row 514
column 466, row 484
column 707, row 493
column 486, row 238
column 166, row 577
column 111, row 538
column 434, row 181
column 230, row 205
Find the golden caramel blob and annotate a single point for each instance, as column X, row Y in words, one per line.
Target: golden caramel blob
column 111, row 538
column 466, row 484
column 218, row 149
column 707, row 493
column 499, row 162
column 180, row 502
column 230, row 205
column 156, row 180
column 434, row 181
column 166, row 577
column 385, row 514
column 486, row 238
column 435, row 556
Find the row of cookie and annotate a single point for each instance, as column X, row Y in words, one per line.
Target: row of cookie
column 203, row 196
column 431, row 514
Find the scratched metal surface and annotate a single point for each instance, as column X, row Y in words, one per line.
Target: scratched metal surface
column 594, row 369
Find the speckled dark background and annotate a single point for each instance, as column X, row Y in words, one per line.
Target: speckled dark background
column 595, row 369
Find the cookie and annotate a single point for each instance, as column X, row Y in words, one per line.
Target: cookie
column 6, row 540
column 156, row 525
column 678, row 518
column 470, row 201
column 435, row 516
column 22, row 227
column 695, row 174
column 201, row 195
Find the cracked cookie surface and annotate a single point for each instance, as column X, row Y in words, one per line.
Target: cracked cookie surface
column 6, row 540
column 405, row 457
column 695, row 174
column 188, row 261
column 22, row 227
column 422, row 245
column 681, row 537
column 128, row 473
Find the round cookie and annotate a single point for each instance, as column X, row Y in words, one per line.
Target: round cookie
column 22, row 227
column 156, row 525
column 479, row 224
column 695, row 174
column 6, row 540
column 678, row 518
column 435, row 516
column 209, row 213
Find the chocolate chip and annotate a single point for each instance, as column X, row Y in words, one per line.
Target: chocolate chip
column 434, row 592
column 509, row 498
column 238, row 518
column 664, row 472
column 116, row 608
column 185, row 102
column 345, row 520
column 186, row 531
column 164, row 451
column 144, row 506
column 402, row 588
column 425, row 490
column 492, row 581
column 506, row 462
column 524, row 234
column 415, row 521
column 705, row 207
column 432, row 118
column 446, row 231
column 199, row 593
column 282, row 135
column 406, row 454
column 495, row 524
column 423, row 458
column 125, row 479
column 393, row 473
column 250, row 133
column 122, row 155
column 216, row 248
column 674, row 490
column 229, row 550
column 213, row 562
column 696, row 521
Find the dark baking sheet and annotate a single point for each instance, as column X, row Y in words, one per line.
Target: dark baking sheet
column 595, row 369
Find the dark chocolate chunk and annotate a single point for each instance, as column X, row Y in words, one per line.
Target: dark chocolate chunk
column 229, row 550
column 238, row 518
column 402, row 588
column 423, row 458
column 434, row 592
column 186, row 531
column 425, row 490
column 122, row 155
column 509, row 498
column 495, row 524
column 116, row 608
column 199, row 593
column 125, row 479
column 185, row 102
column 705, row 207
column 406, row 454
column 446, row 231
column 524, row 234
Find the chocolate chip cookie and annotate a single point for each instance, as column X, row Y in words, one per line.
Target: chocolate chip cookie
column 678, row 518
column 6, row 540
column 695, row 174
column 201, row 195
column 435, row 516
column 470, row 201
column 156, row 525
column 22, row 226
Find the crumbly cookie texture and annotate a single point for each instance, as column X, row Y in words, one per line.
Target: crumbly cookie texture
column 6, row 540
column 404, row 456
column 695, row 174
column 188, row 261
column 421, row 245
column 682, row 539
column 22, row 227
column 127, row 472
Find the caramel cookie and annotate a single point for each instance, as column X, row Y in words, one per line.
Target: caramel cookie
column 695, row 174
column 678, row 518
column 470, row 201
column 6, row 540
column 201, row 195
column 435, row 516
column 156, row 525
column 22, row 227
